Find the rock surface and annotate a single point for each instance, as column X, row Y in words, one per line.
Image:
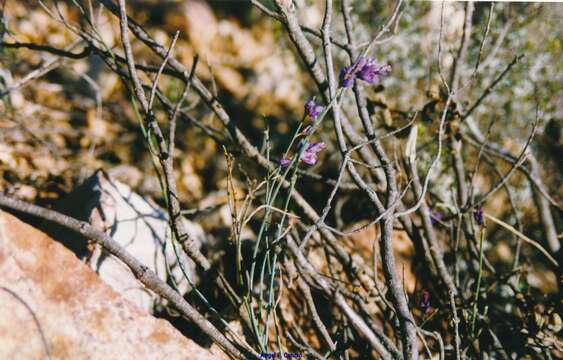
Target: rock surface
column 54, row 306
column 137, row 224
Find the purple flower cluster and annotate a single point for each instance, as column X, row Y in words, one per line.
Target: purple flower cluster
column 311, row 153
column 313, row 110
column 309, row 156
column 366, row 69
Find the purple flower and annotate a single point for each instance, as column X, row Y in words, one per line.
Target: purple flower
column 285, row 162
column 312, row 109
column 478, row 215
column 372, row 70
column 311, row 153
column 435, row 217
column 366, row 69
column 347, row 76
column 425, row 302
column 305, row 131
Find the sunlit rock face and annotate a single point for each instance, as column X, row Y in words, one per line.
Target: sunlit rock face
column 137, row 224
column 54, row 306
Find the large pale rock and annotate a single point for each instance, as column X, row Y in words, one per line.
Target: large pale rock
column 137, row 224
column 47, row 293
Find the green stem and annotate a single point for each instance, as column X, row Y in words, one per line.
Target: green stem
column 478, row 289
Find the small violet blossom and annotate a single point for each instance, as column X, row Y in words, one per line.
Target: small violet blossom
column 313, row 110
column 366, row 69
column 311, row 153
column 285, row 162
column 306, row 131
column 435, row 217
column 309, row 156
column 478, row 215
column 425, row 302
